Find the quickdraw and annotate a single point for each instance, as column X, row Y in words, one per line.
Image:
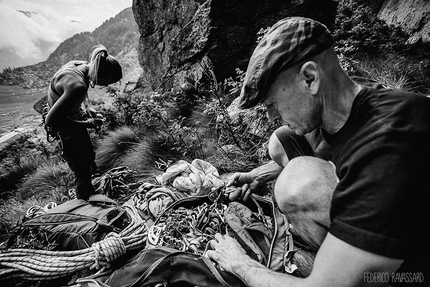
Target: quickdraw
column 188, row 229
column 51, row 133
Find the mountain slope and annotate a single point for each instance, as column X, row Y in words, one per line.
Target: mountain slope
column 119, row 34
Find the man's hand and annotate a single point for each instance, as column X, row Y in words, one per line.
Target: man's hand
column 227, row 253
column 241, row 185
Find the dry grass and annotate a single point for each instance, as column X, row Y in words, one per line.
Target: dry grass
column 49, row 176
column 114, row 146
column 13, row 210
column 13, row 175
column 395, row 72
column 151, row 155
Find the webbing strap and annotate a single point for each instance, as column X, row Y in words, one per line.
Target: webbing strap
column 214, row 271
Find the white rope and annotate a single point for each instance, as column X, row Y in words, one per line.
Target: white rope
column 107, row 250
column 34, row 264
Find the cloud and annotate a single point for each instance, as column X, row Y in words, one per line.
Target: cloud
column 93, row 13
column 30, row 31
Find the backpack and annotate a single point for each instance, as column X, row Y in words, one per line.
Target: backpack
column 163, row 266
column 258, row 226
column 77, row 224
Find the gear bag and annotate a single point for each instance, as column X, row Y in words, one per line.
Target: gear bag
column 258, row 226
column 77, row 224
column 163, row 266
column 174, row 255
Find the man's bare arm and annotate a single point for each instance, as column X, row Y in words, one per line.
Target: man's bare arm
column 337, row 264
column 244, row 183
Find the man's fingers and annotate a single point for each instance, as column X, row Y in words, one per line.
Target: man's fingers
column 234, row 194
column 245, row 187
column 232, row 179
column 211, row 254
column 218, row 236
column 229, row 189
column 242, row 192
column 230, row 193
column 247, row 194
column 213, row 243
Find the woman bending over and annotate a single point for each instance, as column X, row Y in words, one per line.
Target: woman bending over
column 68, row 103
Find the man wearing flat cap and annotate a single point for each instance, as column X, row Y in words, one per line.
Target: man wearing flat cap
column 353, row 175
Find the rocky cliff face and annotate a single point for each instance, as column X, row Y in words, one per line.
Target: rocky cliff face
column 411, row 16
column 181, row 38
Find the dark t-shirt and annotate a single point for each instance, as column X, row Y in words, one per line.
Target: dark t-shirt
column 382, row 155
column 382, row 158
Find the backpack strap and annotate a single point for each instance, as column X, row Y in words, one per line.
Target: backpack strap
column 58, row 218
column 242, row 221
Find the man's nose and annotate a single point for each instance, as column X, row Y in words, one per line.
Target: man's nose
column 272, row 113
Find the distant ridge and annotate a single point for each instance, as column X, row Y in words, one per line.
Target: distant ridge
column 119, row 34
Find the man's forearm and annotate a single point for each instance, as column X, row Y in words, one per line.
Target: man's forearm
column 253, row 274
column 267, row 172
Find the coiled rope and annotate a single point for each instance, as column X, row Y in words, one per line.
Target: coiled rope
column 31, row 264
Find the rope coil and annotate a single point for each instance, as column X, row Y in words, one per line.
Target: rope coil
column 107, row 250
column 32, row 264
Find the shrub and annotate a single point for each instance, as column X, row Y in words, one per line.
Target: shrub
column 357, row 30
column 245, row 130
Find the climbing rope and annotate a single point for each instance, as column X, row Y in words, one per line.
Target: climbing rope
column 31, row 264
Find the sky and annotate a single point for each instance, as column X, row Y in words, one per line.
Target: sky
column 31, row 30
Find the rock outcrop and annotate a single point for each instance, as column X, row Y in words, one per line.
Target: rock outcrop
column 411, row 16
column 193, row 38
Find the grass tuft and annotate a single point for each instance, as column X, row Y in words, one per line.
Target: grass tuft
column 49, row 178
column 13, row 210
column 114, row 146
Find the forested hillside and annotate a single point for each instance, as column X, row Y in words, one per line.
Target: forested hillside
column 119, row 34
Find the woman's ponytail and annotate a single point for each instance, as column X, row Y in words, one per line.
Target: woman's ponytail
column 102, row 65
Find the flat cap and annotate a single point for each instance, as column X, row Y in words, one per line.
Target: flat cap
column 288, row 42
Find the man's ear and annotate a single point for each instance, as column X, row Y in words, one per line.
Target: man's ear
column 310, row 76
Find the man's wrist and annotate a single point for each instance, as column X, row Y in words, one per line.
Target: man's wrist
column 245, row 266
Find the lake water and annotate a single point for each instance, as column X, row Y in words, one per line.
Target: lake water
column 16, row 107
